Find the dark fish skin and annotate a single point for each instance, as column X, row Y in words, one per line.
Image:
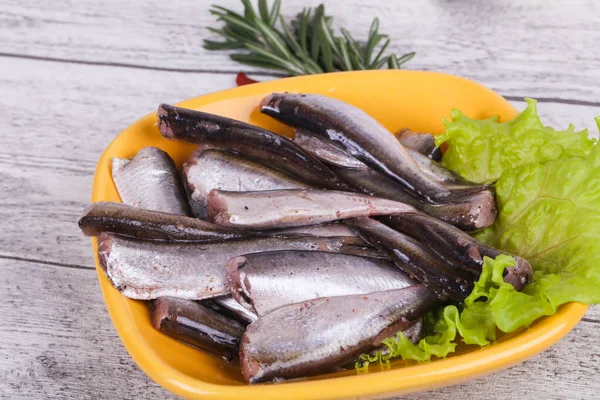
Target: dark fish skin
column 440, row 174
column 150, row 181
column 215, row 169
column 125, row 220
column 233, row 306
column 199, row 326
column 457, row 246
column 134, row 222
column 265, row 281
column 416, row 260
column 325, row 150
column 318, row 335
column 424, row 143
column 247, row 140
column 358, row 134
column 219, row 309
column 288, row 208
column 415, row 332
column 145, row 270
column 474, row 212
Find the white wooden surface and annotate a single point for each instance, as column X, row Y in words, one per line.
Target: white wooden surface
column 74, row 73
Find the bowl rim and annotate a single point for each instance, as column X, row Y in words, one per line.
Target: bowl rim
column 409, row 379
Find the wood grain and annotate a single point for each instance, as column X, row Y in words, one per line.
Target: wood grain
column 61, row 122
column 536, row 48
column 115, row 61
column 57, row 341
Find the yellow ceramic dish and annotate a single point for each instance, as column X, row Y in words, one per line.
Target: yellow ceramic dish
column 417, row 100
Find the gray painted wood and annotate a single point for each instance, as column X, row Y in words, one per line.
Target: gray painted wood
column 57, row 340
column 59, row 116
column 538, row 47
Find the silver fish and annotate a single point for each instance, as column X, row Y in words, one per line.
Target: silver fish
column 196, row 325
column 317, row 335
column 472, row 212
column 440, row 174
column 457, row 247
column 135, row 222
column 415, row 332
column 358, row 134
column 146, row 270
column 325, row 150
column 263, row 282
column 150, row 181
column 213, row 169
column 250, row 141
column 416, row 259
column 287, row 208
column 424, row 143
column 232, row 305
column 329, row 153
column 328, row 230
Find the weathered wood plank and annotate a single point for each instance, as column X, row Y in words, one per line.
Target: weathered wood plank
column 537, row 48
column 61, row 122
column 57, row 341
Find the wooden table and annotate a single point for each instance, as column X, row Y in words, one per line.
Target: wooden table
column 75, row 73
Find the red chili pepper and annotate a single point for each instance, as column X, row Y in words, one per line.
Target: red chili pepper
column 242, row 79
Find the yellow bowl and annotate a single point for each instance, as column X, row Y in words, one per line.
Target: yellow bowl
column 398, row 99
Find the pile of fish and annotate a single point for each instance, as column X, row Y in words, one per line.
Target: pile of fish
column 294, row 256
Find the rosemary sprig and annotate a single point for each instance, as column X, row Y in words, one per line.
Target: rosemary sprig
column 306, row 45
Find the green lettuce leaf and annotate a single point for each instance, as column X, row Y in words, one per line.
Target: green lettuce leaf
column 475, row 322
column 442, row 324
column 480, row 150
column 549, row 213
